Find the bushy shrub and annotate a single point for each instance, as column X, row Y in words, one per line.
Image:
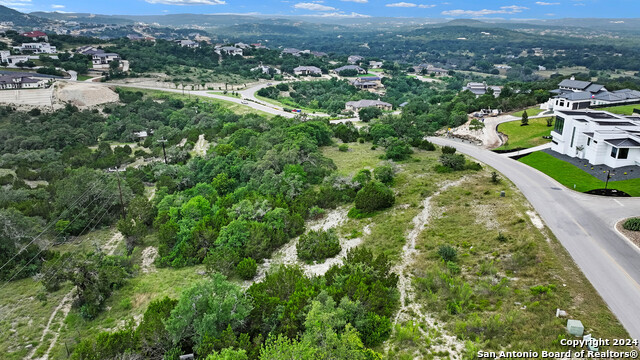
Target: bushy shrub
column 448, row 150
column 425, row 145
column 316, row 213
column 472, row 165
column 374, row 196
column 447, row 253
column 454, row 162
column 343, row 147
column 502, row 237
column 494, row 178
column 384, row 174
column 632, row 224
column 398, row 150
column 362, row 178
column 318, row 245
column 247, row 268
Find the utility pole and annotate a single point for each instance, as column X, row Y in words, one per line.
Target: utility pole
column 163, row 141
column 124, row 214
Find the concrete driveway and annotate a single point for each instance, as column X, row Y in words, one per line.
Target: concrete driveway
column 584, row 224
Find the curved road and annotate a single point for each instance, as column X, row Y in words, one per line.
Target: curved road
column 585, row 225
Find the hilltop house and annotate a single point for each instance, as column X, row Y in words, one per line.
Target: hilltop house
column 6, row 57
column 229, row 50
column 318, row 53
column 575, row 95
column 103, row 59
column 36, row 35
column 430, row 69
column 600, row 137
column 266, row 69
column 291, row 51
column 358, row 69
column 307, row 70
column 19, row 81
column 375, row 64
column 354, row 59
column 188, row 43
column 479, row 89
column 367, row 83
column 36, row 48
column 355, row 106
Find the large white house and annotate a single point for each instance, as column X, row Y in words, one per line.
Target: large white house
column 576, row 95
column 307, row 70
column 19, row 81
column 36, row 48
column 600, row 137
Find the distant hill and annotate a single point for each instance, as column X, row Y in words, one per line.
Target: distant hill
column 20, row 19
column 84, row 18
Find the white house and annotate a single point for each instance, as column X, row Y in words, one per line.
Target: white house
column 188, row 43
column 358, row 69
column 36, row 48
column 229, row 50
column 479, row 89
column 600, row 137
column 6, row 57
column 307, row 70
column 355, row 106
column 266, row 69
column 375, row 64
column 354, row 59
column 367, row 83
column 12, row 82
column 575, row 95
column 102, row 59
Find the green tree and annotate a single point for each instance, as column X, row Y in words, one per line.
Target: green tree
column 525, row 119
column 154, row 338
column 374, row 196
column 369, row 113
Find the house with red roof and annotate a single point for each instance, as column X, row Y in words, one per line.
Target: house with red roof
column 36, row 35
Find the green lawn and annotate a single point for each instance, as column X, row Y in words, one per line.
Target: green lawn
column 531, row 112
column 84, row 77
column 525, row 136
column 622, row 110
column 569, row 175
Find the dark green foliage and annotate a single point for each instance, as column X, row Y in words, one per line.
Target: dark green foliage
column 154, row 339
column 369, row 113
column 502, row 237
column 455, row 162
column 397, row 150
column 495, row 179
column 632, row 224
column 247, row 268
column 423, row 144
column 448, row 253
column 362, row 178
column 384, row 174
column 107, row 345
column 343, row 147
column 525, row 119
column 374, row 196
column 346, row 132
column 318, row 245
column 448, row 150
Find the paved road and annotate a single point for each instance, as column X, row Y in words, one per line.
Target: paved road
column 584, row 224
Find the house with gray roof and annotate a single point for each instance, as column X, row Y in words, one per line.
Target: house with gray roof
column 355, row 106
column 307, row 70
column 354, row 59
column 356, row 68
column 576, row 95
column 479, row 89
column 19, row 81
column 600, row 137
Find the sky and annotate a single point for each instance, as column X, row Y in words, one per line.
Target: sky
column 477, row 9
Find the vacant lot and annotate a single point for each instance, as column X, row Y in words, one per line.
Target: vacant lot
column 570, row 176
column 524, row 137
column 622, row 110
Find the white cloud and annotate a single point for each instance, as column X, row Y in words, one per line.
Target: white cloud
column 542, row 3
column 313, row 7
column 15, row 3
column 54, row 6
column 187, row 2
column 341, row 15
column 401, row 4
column 357, row 1
column 511, row 9
column 425, row 6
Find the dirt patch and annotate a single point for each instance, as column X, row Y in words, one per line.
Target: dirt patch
column 201, row 146
column 110, row 247
column 85, row 94
column 54, row 322
column 149, row 255
column 535, row 219
column 485, row 215
column 633, row 236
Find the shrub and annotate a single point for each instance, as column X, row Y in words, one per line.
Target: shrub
column 632, row 224
column 362, row 178
column 374, row 196
column 448, row 150
column 316, row 213
column 247, row 268
column 318, row 245
column 361, row 140
column 398, row 150
column 426, row 145
column 494, row 178
column 454, row 162
column 447, row 253
column 384, row 174
column 343, row 147
column 472, row 165
column 501, row 237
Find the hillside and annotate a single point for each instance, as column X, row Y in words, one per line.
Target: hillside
column 20, row 19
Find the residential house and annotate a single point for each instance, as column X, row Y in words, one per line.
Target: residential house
column 229, row 50
column 355, row 106
column 242, row 45
column 36, row 35
column 430, row 69
column 354, row 59
column 6, row 57
column 103, row 59
column 479, row 89
column 319, row 54
column 367, row 83
column 19, row 81
column 541, row 68
column 307, row 70
column 36, row 48
column 266, row 69
column 575, row 95
column 375, row 64
column 600, row 137
column 358, row 69
column 188, row 43
column 291, row 51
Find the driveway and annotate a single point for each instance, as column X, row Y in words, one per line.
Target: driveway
column 584, row 224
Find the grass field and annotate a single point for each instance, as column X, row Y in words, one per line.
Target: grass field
column 525, row 136
column 569, row 175
column 285, row 103
column 234, row 107
column 531, row 112
column 84, row 77
column 622, row 110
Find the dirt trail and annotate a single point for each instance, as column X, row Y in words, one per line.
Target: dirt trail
column 409, row 309
column 201, row 146
column 149, row 255
column 288, row 255
column 65, row 307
